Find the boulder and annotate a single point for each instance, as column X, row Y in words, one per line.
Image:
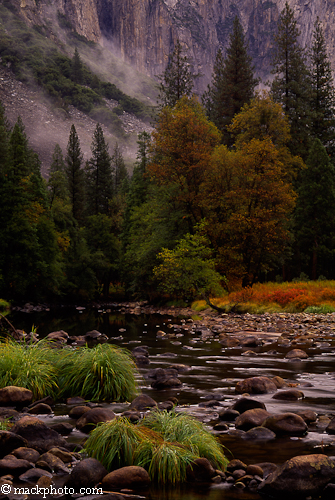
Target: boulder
column 40, row 409
column 33, row 475
column 26, row 454
column 65, row 456
column 243, row 404
column 63, row 428
column 308, row 415
column 288, row 424
column 299, row 477
column 296, row 353
column 126, row 477
column 255, row 385
column 14, row 466
column 142, row 403
column 86, row 474
column 228, row 415
column 279, row 381
column 289, row 395
column 38, row 435
column 78, row 411
column 166, row 383
column 251, row 341
column 251, row 418
column 330, row 429
column 92, row 417
column 60, row 337
column 258, row 434
column 55, row 463
column 9, row 441
column 15, row 396
column 200, row 470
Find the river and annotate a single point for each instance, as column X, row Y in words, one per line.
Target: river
column 213, row 372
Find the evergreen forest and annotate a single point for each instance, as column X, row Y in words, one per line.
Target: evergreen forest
column 232, row 188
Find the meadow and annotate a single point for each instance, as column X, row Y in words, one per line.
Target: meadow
column 294, row 297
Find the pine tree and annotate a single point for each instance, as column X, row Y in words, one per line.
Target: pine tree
column 120, row 171
column 177, row 80
column 77, row 67
column 75, row 175
column 323, row 94
column 233, row 82
column 315, row 213
column 57, row 182
column 98, row 172
column 291, row 85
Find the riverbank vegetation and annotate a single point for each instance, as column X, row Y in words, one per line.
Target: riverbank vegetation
column 212, row 207
column 103, row 373
column 164, row 443
column 297, row 296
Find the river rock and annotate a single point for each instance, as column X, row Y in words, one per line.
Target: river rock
column 228, row 415
column 40, row 409
column 251, row 341
column 92, row 417
column 65, row 456
column 14, row 466
column 53, row 461
column 251, row 418
column 299, row 477
column 142, row 403
column 15, row 396
column 27, row 454
column 38, row 435
column 78, row 411
column 289, row 395
column 63, row 428
column 279, row 381
column 243, row 404
column 126, row 477
column 201, row 470
column 309, row 416
column 258, row 434
column 60, row 337
column 288, row 424
column 9, row 441
column 236, row 464
column 33, row 475
column 76, row 400
column 255, row 385
column 296, row 353
column 330, row 429
column 86, row 474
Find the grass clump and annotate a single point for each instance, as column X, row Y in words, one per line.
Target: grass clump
column 104, row 372
column 164, row 443
column 29, row 365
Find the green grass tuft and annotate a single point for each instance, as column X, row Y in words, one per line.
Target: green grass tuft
column 104, row 372
column 163, row 443
column 30, row 366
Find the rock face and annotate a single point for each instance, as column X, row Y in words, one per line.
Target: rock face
column 144, row 31
column 299, row 477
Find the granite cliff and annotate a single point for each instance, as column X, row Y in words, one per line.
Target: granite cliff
column 143, row 31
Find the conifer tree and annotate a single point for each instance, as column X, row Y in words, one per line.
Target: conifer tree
column 177, row 80
column 323, row 94
column 233, row 82
column 75, row 175
column 119, row 169
column 315, row 213
column 291, row 85
column 98, row 171
column 77, row 67
column 57, row 182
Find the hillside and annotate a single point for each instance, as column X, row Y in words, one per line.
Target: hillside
column 29, row 53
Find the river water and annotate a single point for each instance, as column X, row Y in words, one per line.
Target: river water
column 213, row 372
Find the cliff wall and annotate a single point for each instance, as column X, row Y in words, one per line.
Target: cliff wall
column 143, row 31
